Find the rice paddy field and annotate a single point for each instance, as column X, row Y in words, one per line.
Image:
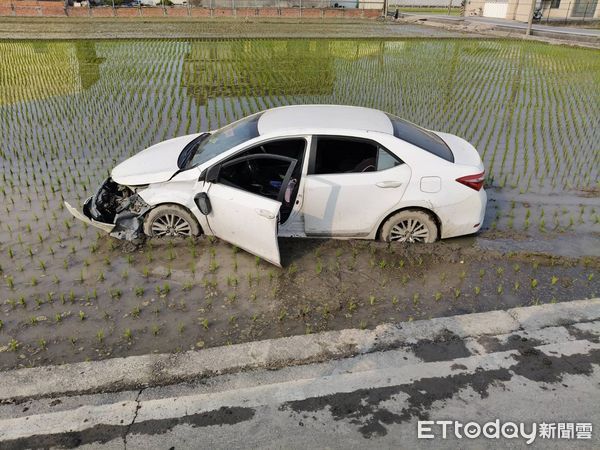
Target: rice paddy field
column 70, row 110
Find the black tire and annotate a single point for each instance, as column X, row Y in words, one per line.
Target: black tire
column 411, row 226
column 171, row 221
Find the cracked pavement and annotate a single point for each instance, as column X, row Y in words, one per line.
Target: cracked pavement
column 541, row 371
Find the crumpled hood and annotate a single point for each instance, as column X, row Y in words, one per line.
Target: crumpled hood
column 155, row 164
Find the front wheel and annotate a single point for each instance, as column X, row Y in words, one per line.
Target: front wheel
column 410, row 226
column 170, row 221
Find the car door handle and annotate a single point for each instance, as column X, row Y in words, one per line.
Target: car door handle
column 389, row 184
column 265, row 213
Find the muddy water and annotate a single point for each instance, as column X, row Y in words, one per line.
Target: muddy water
column 69, row 111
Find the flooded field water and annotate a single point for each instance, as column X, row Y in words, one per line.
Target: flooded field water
column 69, row 111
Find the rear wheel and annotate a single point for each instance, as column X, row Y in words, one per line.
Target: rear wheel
column 170, row 221
column 410, row 226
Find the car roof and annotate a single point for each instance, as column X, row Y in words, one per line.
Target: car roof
column 320, row 118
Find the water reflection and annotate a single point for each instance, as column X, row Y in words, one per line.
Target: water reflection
column 257, row 68
column 531, row 109
column 40, row 69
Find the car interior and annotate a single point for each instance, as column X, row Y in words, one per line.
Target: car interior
column 347, row 155
column 336, row 155
column 265, row 176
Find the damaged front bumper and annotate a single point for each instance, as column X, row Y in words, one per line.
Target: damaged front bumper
column 115, row 209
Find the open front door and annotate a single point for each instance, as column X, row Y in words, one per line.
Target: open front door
column 246, row 220
column 242, row 205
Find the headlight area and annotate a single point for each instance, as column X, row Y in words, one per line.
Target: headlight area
column 119, row 205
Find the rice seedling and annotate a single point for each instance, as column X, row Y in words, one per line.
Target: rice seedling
column 292, row 269
column 13, row 345
column 128, row 334
column 163, row 290
column 319, row 267
column 536, row 130
column 213, row 266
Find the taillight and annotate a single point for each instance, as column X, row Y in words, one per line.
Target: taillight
column 473, row 181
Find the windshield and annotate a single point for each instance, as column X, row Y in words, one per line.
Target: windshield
column 207, row 146
column 425, row 139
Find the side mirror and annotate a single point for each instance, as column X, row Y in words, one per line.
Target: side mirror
column 212, row 174
column 203, row 203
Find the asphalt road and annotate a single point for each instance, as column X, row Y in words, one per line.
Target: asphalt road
column 542, row 30
column 537, row 374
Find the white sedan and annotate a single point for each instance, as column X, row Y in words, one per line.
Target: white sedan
column 297, row 171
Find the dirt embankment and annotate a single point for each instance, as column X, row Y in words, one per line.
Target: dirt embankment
column 186, row 27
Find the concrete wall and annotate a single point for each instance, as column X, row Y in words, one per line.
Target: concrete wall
column 518, row 10
column 566, row 10
column 32, row 8
column 418, row 3
column 367, row 9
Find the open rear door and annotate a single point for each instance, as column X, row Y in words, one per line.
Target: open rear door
column 243, row 218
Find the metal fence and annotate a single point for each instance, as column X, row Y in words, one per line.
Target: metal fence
column 243, row 8
column 552, row 11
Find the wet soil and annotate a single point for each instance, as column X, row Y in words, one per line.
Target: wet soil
column 70, row 293
column 169, row 297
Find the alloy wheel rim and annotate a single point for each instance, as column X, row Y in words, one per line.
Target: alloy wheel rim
column 171, row 225
column 409, row 230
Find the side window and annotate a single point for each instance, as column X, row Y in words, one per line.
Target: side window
column 347, row 155
column 386, row 160
column 340, row 155
column 261, row 169
column 261, row 176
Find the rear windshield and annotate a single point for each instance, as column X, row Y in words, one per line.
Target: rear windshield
column 209, row 145
column 421, row 137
